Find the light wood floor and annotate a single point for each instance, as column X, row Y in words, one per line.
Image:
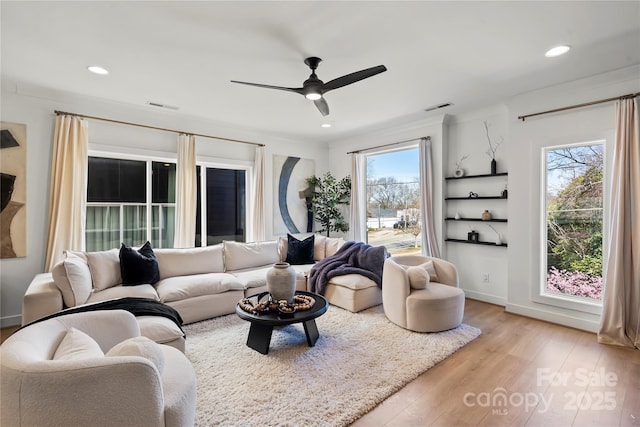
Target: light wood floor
column 517, row 357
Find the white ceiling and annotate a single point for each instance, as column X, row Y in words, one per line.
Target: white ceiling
column 472, row 54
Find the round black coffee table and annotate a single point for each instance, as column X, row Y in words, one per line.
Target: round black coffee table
column 262, row 323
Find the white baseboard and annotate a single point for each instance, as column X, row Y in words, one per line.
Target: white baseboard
column 491, row 299
column 10, row 321
column 560, row 319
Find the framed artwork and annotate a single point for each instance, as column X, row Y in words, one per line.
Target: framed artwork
column 291, row 205
column 13, row 188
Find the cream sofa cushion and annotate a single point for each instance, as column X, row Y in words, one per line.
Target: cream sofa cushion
column 159, row 329
column 332, row 244
column 73, row 277
column 77, row 345
column 142, row 347
column 253, row 278
column 238, row 255
column 183, row 262
column 182, row 287
column 105, row 268
column 139, row 291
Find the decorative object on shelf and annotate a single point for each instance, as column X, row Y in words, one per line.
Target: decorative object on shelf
column 459, row 172
column 498, row 236
column 486, row 215
column 473, row 236
column 493, row 147
column 473, row 195
column 505, row 193
column 281, row 282
column 457, row 216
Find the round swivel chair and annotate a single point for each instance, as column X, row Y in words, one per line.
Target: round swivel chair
column 436, row 304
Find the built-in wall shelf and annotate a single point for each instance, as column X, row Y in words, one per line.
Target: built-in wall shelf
column 476, row 198
column 478, row 219
column 475, row 243
column 488, row 186
column 478, row 176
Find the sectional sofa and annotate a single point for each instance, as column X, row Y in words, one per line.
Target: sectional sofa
column 200, row 283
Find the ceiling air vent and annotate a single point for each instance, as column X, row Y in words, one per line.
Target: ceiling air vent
column 160, row 105
column 437, row 107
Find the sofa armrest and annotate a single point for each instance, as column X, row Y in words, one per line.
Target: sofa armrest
column 395, row 291
column 446, row 271
column 42, row 298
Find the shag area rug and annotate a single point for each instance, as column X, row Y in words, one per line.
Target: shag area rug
column 359, row 360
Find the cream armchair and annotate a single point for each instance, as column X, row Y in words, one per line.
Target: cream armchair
column 437, row 307
column 105, row 390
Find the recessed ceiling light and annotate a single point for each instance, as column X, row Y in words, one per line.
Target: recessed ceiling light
column 326, row 125
column 97, row 70
column 557, row 51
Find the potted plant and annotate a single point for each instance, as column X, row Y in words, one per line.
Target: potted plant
column 329, row 195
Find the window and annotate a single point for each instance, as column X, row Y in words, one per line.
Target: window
column 573, row 225
column 222, row 205
column 129, row 201
column 393, row 201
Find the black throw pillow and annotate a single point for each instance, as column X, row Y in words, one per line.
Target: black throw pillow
column 138, row 267
column 299, row 251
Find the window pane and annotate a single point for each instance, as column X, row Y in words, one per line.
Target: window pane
column 574, row 211
column 116, row 180
column 103, row 228
column 393, row 201
column 163, row 183
column 135, row 225
column 226, row 194
column 163, row 227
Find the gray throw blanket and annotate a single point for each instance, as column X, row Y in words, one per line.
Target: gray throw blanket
column 351, row 258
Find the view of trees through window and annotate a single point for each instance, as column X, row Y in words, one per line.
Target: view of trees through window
column 574, row 200
column 393, row 201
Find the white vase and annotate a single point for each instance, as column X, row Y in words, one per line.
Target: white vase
column 281, row 282
column 457, row 216
column 499, row 239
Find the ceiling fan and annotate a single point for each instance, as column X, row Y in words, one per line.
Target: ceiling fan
column 313, row 88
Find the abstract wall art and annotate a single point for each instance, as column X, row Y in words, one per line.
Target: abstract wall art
column 13, row 189
column 291, row 209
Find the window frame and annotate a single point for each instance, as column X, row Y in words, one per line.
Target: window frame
column 539, row 293
column 163, row 157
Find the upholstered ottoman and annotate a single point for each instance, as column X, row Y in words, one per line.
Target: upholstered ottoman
column 353, row 292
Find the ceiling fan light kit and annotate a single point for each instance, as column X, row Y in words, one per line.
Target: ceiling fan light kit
column 313, row 88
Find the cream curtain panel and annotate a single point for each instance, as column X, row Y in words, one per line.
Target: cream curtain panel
column 186, row 192
column 620, row 320
column 258, row 219
column 357, row 207
column 429, row 239
column 68, row 191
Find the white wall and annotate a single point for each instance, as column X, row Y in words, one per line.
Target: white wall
column 35, row 108
column 467, row 136
column 527, row 140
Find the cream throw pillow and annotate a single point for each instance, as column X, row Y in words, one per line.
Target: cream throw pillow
column 105, row 268
column 77, row 345
column 418, row 277
column 142, row 347
column 73, row 277
column 433, row 277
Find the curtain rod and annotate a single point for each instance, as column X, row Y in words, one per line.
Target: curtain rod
column 390, row 144
column 586, row 104
column 155, row 128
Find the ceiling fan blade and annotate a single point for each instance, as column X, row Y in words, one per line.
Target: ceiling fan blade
column 352, row 78
column 322, row 106
column 290, row 89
